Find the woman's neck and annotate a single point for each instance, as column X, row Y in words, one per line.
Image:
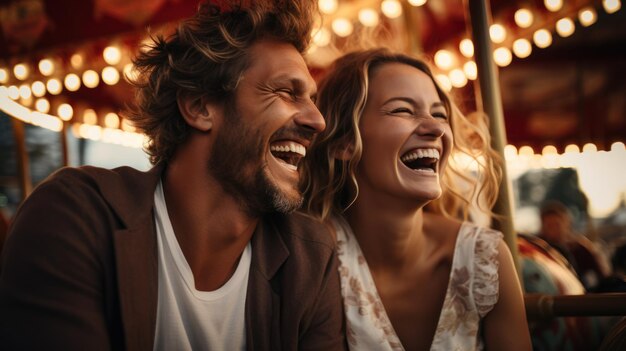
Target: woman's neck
column 390, row 236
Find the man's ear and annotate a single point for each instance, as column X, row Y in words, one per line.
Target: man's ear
column 344, row 151
column 197, row 111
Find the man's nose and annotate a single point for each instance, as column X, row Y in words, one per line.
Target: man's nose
column 311, row 118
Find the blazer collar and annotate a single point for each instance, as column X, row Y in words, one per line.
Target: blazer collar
column 130, row 193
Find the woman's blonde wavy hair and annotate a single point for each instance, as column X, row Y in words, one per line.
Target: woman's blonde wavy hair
column 329, row 183
column 205, row 58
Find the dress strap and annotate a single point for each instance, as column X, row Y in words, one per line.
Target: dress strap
column 367, row 325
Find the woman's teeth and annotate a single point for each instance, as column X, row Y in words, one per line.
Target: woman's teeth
column 420, row 153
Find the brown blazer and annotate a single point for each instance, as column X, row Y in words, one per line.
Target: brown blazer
column 79, row 271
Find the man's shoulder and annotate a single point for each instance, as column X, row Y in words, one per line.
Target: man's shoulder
column 302, row 229
column 88, row 175
column 127, row 191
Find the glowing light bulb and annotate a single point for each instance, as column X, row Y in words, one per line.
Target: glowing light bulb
column 542, row 38
column 21, row 71
column 65, row 112
column 417, row 3
column 587, row 16
column 470, row 69
column 110, row 75
column 553, row 5
column 112, row 55
column 25, row 92
column 46, row 67
column 565, row 27
column 549, row 150
column 38, row 88
column 72, row 82
column 54, row 86
column 391, row 8
column 91, row 79
column 368, row 17
column 572, row 148
column 502, row 56
column 4, row 75
column 342, row 27
column 111, row 120
column 590, row 148
column 522, row 48
column 322, row 37
column 77, row 61
column 618, row 146
column 457, row 78
column 526, row 151
column 524, row 18
column 497, row 33
column 42, row 105
column 467, row 48
column 13, row 92
column 611, row 6
column 510, row 152
column 90, row 117
column 327, row 6
column 128, row 127
column 444, row 59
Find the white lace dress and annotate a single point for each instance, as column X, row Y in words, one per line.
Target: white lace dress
column 472, row 292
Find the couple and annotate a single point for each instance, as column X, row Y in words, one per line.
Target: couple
column 205, row 250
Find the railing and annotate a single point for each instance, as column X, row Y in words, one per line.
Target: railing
column 541, row 306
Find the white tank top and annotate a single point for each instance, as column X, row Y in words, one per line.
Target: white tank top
column 189, row 319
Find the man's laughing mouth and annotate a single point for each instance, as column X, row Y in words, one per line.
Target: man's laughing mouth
column 288, row 152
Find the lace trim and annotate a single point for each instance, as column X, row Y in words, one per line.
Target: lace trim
column 486, row 266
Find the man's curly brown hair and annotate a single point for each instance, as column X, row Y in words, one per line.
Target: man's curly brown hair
column 205, row 58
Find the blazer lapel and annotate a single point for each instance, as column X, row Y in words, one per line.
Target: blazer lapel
column 137, row 272
column 263, row 295
column 131, row 195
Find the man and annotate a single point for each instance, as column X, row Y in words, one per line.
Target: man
column 201, row 252
column 586, row 259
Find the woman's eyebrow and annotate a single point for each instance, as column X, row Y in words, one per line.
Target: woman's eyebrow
column 401, row 98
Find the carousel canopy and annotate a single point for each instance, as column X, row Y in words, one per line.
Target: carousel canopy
column 562, row 63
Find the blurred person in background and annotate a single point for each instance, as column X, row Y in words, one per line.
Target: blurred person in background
column 586, row 259
column 616, row 282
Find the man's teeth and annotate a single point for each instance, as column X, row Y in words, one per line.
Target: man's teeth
column 289, row 147
column 420, row 153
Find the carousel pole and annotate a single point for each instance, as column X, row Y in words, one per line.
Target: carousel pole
column 488, row 100
column 23, row 167
column 64, row 149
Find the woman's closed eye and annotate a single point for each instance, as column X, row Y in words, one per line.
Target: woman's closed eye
column 441, row 115
column 402, row 111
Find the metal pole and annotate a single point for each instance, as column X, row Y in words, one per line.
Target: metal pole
column 23, row 167
column 544, row 306
column 411, row 18
column 64, row 149
column 488, row 99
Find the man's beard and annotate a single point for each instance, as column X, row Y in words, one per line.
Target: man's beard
column 237, row 149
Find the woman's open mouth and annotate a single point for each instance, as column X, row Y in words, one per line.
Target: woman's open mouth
column 421, row 159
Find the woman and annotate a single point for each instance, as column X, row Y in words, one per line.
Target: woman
column 411, row 279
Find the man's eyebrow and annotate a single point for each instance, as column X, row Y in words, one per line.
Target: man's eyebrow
column 297, row 83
